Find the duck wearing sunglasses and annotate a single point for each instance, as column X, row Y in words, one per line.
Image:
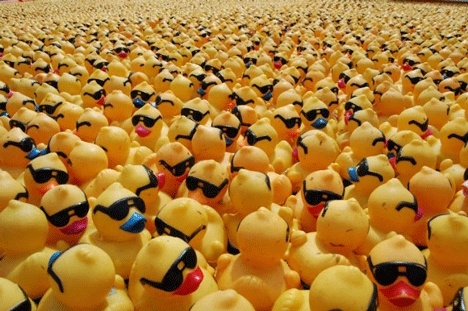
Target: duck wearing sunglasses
column 167, row 276
column 120, row 226
column 148, row 126
column 43, row 174
column 82, row 277
column 66, row 208
column 399, row 270
column 203, row 229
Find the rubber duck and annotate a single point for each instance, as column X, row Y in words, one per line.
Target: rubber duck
column 220, row 99
column 116, row 142
column 65, row 113
column 315, row 114
column 366, row 140
column 73, row 288
column 13, row 190
column 412, row 157
column 229, row 125
column 315, row 151
column 41, row 128
column 68, row 83
column 13, row 297
column 446, row 264
column 317, row 189
column 352, row 290
column 68, row 220
column 198, row 110
column 89, row 123
column 24, row 251
column 244, row 183
column 207, row 183
column 42, row 174
column 312, row 252
column 169, row 105
column 367, row 175
column 262, row 86
column 246, row 96
column 142, row 94
column 452, row 138
column 423, row 184
column 62, row 144
column 148, row 126
column 21, row 118
column 390, row 207
column 207, row 83
column 208, row 143
column 258, row 265
column 287, row 123
column 204, row 232
column 146, row 184
column 158, row 281
column 93, row 95
column 398, row 288
column 223, row 300
column 18, row 150
column 263, row 135
column 119, row 221
column 162, row 81
column 174, row 160
column 85, row 161
column 182, row 87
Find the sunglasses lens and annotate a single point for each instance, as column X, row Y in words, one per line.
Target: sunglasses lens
column 416, row 275
column 191, row 183
column 386, row 274
column 210, row 191
column 312, row 197
column 27, row 145
column 60, row 219
column 82, row 209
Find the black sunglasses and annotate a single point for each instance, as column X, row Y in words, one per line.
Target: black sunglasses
column 174, row 278
column 62, row 218
column 387, row 272
column 291, row 122
column 240, row 101
column 160, row 100
column 313, row 113
column 252, row 139
column 99, row 82
column 153, row 181
column 264, row 89
column 147, row 121
column 143, row 95
column 163, row 228
column 180, row 168
column 209, row 190
column 16, row 123
column 48, row 109
column 229, row 131
column 363, row 170
column 45, row 174
column 189, row 136
column 97, row 95
column 26, row 144
column 120, row 208
column 315, row 197
column 193, row 114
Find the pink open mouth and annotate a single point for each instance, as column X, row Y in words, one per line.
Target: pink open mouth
column 76, row 227
column 191, row 283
